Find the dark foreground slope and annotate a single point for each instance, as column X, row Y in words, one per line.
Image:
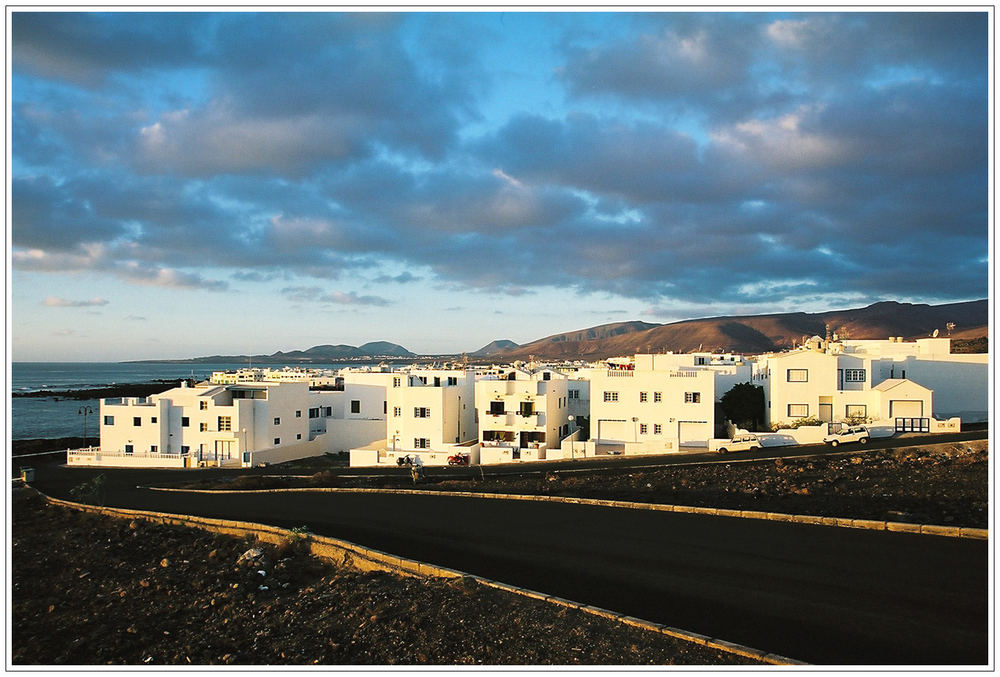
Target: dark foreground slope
column 96, row 590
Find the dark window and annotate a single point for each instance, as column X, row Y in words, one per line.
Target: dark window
column 453, row 380
column 355, row 406
column 692, row 397
column 421, row 412
column 152, row 419
column 185, row 421
column 277, row 441
column 109, row 420
column 153, row 448
column 328, row 411
column 314, row 412
column 129, row 448
column 527, row 408
column 547, row 376
column 496, row 408
column 136, row 420
column 185, row 449
column 277, row 420
column 298, row 414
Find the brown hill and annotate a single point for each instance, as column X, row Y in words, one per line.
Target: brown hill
column 754, row 334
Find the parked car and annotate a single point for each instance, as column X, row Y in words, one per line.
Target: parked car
column 854, row 433
column 741, row 443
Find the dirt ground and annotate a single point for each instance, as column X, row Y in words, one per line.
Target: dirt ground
column 89, row 590
column 945, row 484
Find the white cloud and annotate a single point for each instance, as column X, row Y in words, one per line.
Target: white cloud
column 56, row 302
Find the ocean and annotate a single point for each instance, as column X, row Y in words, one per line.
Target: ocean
column 47, row 417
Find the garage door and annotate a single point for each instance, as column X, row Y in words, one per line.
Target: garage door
column 906, row 408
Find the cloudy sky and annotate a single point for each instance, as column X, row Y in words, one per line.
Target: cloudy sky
column 198, row 183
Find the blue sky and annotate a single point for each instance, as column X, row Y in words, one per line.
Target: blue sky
column 201, row 183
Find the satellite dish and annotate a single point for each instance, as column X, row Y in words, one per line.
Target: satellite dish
column 936, row 332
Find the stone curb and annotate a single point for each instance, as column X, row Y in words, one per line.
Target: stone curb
column 367, row 559
column 844, row 522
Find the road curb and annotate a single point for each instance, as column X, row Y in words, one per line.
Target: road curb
column 368, row 559
column 843, row 522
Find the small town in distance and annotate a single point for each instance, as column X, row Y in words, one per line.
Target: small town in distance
column 827, row 389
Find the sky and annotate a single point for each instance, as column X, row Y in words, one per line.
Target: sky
column 200, row 183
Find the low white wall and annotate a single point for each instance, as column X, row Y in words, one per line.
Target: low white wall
column 96, row 458
column 952, row 425
column 648, row 448
column 346, row 434
column 290, row 452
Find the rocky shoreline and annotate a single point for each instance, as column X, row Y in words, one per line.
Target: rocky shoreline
column 110, row 390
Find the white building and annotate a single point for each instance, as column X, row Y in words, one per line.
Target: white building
column 522, row 414
column 213, row 423
column 652, row 404
column 878, row 380
column 430, row 416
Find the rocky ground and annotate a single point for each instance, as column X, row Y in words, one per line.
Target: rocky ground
column 944, row 484
column 88, row 590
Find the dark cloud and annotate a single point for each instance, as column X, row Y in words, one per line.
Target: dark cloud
column 706, row 159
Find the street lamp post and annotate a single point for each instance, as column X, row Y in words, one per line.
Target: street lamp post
column 85, row 411
column 572, row 447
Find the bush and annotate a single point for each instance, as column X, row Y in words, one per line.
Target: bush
column 797, row 423
column 90, row 492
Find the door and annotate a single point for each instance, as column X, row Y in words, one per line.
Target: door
column 906, row 408
column 826, row 412
column 223, row 449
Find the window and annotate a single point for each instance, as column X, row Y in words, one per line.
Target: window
column 185, row 421
column 203, row 405
column 437, row 381
column 643, row 428
column 185, row 449
column 129, row 448
column 694, row 398
column 153, row 448
column 203, row 427
column 355, row 406
column 396, row 382
column 643, row 397
column 109, row 420
column 453, row 380
column 421, row 443
column 277, row 420
column 277, row 441
column 657, row 428
column 328, row 411
column 610, row 396
column 856, row 410
column 657, row 397
column 574, row 394
column 526, row 408
column 314, row 412
column 798, row 375
column 547, row 376
column 422, row 379
column 699, row 361
column 385, row 407
column 225, row 423
column 421, row 412
column 152, row 419
column 137, row 420
column 854, row 375
column 397, row 411
column 496, row 408
column 798, row 410
column 298, row 436
column 298, row 413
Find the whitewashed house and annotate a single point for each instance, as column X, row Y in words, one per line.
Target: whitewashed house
column 652, row 404
column 522, row 414
column 877, row 380
column 430, row 416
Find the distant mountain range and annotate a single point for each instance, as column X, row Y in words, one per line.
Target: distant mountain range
column 748, row 334
column 315, row 355
column 754, row 334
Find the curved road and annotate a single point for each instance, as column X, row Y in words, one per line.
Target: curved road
column 824, row 595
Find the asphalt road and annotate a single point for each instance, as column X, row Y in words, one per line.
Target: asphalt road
column 824, row 595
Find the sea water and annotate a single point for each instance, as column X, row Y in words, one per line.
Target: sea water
column 49, row 417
